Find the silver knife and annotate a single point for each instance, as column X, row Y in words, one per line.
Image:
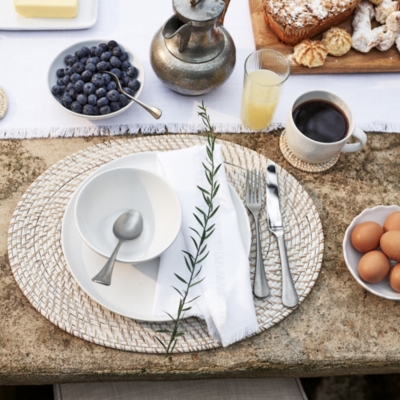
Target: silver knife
column 275, row 225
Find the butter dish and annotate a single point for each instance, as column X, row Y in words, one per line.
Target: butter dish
column 11, row 20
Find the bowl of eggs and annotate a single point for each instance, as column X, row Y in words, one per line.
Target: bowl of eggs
column 371, row 248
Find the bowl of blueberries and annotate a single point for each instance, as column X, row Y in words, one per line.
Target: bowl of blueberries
column 79, row 84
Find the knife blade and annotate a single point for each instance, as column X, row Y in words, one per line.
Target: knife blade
column 275, row 225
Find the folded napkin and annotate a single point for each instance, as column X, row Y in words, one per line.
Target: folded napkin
column 226, row 301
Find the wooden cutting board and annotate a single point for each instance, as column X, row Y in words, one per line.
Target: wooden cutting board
column 352, row 62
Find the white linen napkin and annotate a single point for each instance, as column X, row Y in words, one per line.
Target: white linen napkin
column 226, row 301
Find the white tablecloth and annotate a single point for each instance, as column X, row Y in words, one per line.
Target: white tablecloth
column 26, row 56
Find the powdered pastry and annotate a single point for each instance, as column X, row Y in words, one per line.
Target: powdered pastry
column 337, row 41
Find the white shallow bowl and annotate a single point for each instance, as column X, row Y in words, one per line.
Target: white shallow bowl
column 352, row 256
column 104, row 197
column 58, row 63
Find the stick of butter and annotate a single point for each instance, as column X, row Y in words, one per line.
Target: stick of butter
column 47, row 8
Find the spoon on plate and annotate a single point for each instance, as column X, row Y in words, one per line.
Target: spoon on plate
column 154, row 111
column 128, row 226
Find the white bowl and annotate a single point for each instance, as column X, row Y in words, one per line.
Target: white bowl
column 104, row 197
column 352, row 256
column 58, row 62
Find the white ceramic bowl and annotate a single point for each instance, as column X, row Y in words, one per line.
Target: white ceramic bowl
column 104, row 197
column 352, row 256
column 58, row 62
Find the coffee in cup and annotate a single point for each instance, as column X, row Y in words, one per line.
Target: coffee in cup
column 319, row 125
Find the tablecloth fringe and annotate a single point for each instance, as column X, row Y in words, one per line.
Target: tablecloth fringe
column 118, row 130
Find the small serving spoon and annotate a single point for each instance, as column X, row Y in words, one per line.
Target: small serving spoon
column 154, row 111
column 128, row 226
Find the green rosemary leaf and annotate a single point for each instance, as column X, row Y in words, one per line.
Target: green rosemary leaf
column 189, row 267
column 196, row 283
column 195, row 243
column 202, row 250
column 194, row 230
column 198, row 220
column 163, row 331
column 214, row 212
column 206, row 168
column 217, row 169
column 161, row 342
column 190, row 301
column 209, row 234
column 169, row 315
column 210, row 227
column 181, row 279
column 177, row 290
column 203, row 190
column 204, row 257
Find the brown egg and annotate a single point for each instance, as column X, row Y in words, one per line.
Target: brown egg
column 394, row 278
column 365, row 236
column 373, row 266
column 390, row 244
column 392, row 222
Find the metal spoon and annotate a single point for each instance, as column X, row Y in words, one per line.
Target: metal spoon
column 128, row 226
column 154, row 111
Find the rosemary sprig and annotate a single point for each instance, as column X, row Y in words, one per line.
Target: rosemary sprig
column 201, row 234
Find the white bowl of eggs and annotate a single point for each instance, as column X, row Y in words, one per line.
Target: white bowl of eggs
column 371, row 248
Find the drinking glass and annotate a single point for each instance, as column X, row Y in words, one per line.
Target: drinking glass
column 265, row 72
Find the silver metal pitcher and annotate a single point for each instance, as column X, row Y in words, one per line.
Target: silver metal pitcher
column 193, row 53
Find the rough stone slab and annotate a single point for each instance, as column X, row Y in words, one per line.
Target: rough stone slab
column 339, row 329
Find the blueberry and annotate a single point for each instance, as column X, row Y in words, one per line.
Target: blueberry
column 116, row 51
column 78, row 67
column 102, row 66
column 104, row 46
column 102, row 102
column 125, row 65
column 93, row 60
column 106, row 56
column 101, row 92
column 60, row 73
column 89, row 88
column 72, row 61
column 114, row 61
column 113, row 95
column 66, row 79
column 129, row 91
column 92, row 99
column 112, row 44
column 91, row 51
column 81, row 98
column 86, row 76
column 107, row 78
column 79, row 86
column 60, row 82
column 69, row 86
column 123, row 100
column 114, row 106
column 117, row 72
column 88, row 109
column 85, row 51
column 134, row 84
column 111, row 86
column 132, row 72
column 79, row 54
column 68, row 71
column 99, row 50
column 57, row 90
column 96, row 110
column 125, row 80
column 66, row 101
column 105, row 110
column 84, row 60
column 72, row 93
column 97, row 80
column 75, row 77
column 124, row 56
column 90, row 67
column 67, row 58
column 76, row 107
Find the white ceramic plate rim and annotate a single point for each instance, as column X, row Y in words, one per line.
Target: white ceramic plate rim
column 70, row 252
column 58, row 62
column 367, row 215
column 93, row 246
column 12, row 21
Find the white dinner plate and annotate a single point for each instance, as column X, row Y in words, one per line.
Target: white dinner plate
column 131, row 293
column 10, row 20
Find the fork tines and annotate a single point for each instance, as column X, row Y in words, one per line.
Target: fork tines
column 253, row 187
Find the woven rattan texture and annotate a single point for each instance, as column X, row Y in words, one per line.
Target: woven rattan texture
column 300, row 164
column 39, row 267
column 3, row 102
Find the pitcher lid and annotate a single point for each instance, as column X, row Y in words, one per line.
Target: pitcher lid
column 204, row 10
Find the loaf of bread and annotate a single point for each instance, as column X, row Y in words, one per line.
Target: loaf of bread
column 295, row 20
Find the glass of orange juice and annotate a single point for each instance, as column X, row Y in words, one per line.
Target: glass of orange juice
column 265, row 72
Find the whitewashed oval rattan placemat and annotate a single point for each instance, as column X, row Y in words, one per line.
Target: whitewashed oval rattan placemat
column 39, row 267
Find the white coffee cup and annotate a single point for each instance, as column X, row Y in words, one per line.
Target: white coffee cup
column 315, row 152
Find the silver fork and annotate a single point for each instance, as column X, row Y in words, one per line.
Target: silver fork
column 253, row 203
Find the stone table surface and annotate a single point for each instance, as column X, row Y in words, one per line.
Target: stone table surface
column 340, row 328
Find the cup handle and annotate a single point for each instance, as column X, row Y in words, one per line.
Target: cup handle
column 362, row 141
